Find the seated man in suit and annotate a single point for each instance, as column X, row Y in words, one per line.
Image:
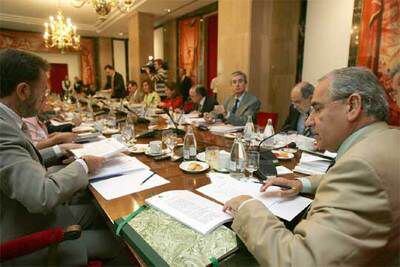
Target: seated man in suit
column 241, row 104
column 354, row 219
column 202, row 102
column 115, row 83
column 300, row 97
column 32, row 199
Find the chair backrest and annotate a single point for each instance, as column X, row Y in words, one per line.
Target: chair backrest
column 262, row 118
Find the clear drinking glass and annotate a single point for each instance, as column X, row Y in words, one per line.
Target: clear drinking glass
column 252, row 163
column 171, row 142
column 212, row 156
column 127, row 133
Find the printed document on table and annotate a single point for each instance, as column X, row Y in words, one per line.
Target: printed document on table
column 104, row 148
column 195, row 211
column 225, row 128
column 223, row 187
column 127, row 184
column 120, row 164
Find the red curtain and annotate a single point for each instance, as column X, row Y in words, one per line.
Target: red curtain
column 57, row 74
column 212, row 48
column 189, row 46
column 379, row 47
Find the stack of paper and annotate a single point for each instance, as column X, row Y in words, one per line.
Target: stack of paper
column 223, row 188
column 197, row 212
column 104, row 148
column 225, row 128
column 117, row 166
column 127, row 184
column 312, row 164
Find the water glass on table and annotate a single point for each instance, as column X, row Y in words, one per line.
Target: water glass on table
column 171, row 141
column 252, row 163
column 212, row 157
column 127, row 132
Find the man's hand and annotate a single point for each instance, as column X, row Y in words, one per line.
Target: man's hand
column 295, row 186
column 233, row 205
column 219, row 109
column 61, row 138
column 94, row 163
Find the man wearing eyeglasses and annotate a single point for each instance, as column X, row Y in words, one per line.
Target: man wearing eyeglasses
column 241, row 104
column 354, row 219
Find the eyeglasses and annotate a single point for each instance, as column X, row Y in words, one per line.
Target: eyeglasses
column 316, row 108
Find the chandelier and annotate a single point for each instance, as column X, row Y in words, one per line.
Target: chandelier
column 59, row 32
column 103, row 7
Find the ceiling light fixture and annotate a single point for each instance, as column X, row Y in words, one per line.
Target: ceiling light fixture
column 61, row 33
column 103, row 7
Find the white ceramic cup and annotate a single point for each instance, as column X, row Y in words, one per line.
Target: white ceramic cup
column 155, row 147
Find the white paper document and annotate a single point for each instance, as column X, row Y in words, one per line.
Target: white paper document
column 312, row 164
column 104, row 148
column 127, row 184
column 225, row 128
column 118, row 165
column 223, row 188
column 197, row 212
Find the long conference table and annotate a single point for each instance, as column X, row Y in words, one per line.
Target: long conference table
column 116, row 208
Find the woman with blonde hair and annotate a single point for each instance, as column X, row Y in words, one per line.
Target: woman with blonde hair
column 151, row 98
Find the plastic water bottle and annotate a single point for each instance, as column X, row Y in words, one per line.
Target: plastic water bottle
column 269, row 129
column 249, row 129
column 238, row 159
column 189, row 145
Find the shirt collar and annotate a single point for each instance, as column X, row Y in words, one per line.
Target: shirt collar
column 202, row 101
column 241, row 96
column 351, row 140
column 16, row 118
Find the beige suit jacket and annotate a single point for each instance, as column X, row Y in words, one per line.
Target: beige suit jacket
column 354, row 219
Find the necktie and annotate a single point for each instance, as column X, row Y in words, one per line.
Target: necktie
column 234, row 109
column 25, row 130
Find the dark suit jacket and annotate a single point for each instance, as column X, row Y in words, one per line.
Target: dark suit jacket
column 185, row 86
column 208, row 104
column 291, row 122
column 32, row 198
column 119, row 90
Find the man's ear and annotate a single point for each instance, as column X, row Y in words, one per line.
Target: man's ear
column 23, row 91
column 354, row 107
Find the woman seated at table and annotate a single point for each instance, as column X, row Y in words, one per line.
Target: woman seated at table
column 135, row 95
column 151, row 98
column 174, row 99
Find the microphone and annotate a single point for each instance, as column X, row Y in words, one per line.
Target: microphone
column 267, row 158
column 176, row 130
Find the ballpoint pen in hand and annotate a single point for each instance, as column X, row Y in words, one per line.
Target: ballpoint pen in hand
column 145, row 180
column 283, row 187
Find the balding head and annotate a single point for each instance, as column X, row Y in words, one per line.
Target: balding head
column 301, row 95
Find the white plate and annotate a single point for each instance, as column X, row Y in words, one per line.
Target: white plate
column 289, row 150
column 82, row 129
column 138, row 148
column 147, row 152
column 201, row 156
column 230, row 135
column 193, row 166
column 109, row 131
column 282, row 154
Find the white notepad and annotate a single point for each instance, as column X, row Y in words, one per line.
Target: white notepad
column 223, row 188
column 104, row 148
column 195, row 211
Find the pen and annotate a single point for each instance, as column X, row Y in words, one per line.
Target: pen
column 145, row 180
column 105, row 177
column 283, row 187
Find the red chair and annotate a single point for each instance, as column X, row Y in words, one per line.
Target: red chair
column 36, row 241
column 262, row 118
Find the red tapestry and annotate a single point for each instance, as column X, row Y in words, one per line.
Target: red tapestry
column 380, row 47
column 34, row 42
column 189, row 46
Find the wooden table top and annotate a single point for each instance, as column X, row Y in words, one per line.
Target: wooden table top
column 168, row 169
